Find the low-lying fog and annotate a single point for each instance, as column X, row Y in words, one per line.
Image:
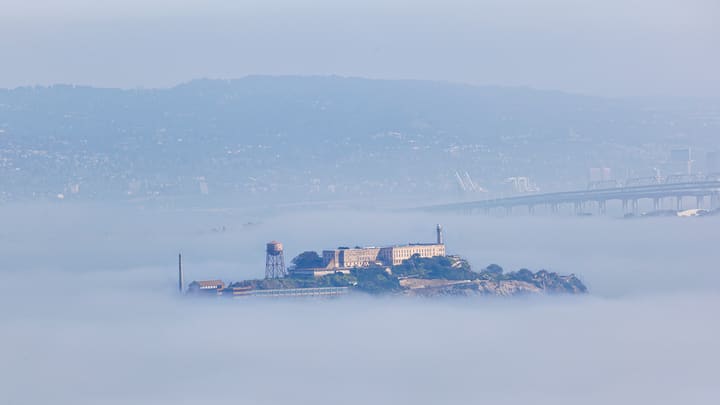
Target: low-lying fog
column 91, row 315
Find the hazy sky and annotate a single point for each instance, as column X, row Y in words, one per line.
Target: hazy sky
column 612, row 47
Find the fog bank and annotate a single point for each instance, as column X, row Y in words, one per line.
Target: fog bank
column 92, row 316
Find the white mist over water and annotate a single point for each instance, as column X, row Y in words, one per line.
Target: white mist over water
column 91, row 316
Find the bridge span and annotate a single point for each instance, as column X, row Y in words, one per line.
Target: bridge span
column 629, row 196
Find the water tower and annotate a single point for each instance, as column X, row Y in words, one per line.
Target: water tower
column 275, row 261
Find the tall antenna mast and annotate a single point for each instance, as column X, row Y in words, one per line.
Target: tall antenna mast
column 180, row 273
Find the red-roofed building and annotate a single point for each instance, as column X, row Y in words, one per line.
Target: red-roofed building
column 213, row 287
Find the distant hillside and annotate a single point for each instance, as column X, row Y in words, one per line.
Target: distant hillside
column 294, row 138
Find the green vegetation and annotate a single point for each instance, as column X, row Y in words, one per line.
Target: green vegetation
column 307, row 260
column 376, row 280
column 380, row 280
column 330, row 280
column 439, row 267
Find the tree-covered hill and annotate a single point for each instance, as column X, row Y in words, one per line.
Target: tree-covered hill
column 439, row 275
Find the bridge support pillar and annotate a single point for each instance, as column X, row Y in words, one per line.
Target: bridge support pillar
column 699, row 201
column 508, row 210
column 531, row 209
column 578, row 208
column 635, row 207
column 602, row 207
column 656, row 204
column 678, row 203
column 625, row 206
column 554, row 208
column 715, row 200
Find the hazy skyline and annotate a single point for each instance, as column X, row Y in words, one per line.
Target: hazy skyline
column 613, row 48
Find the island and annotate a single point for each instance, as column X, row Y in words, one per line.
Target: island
column 421, row 276
column 415, row 269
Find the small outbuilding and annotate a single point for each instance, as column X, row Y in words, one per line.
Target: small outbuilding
column 212, row 287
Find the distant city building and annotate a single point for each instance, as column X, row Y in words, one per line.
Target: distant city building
column 599, row 174
column 681, row 155
column 680, row 161
column 204, row 190
column 712, row 162
column 522, row 184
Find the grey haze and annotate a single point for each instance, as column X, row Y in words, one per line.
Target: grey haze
column 640, row 48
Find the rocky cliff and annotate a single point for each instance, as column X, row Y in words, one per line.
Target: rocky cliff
column 503, row 287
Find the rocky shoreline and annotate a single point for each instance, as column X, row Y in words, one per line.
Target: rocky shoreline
column 424, row 277
column 502, row 288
